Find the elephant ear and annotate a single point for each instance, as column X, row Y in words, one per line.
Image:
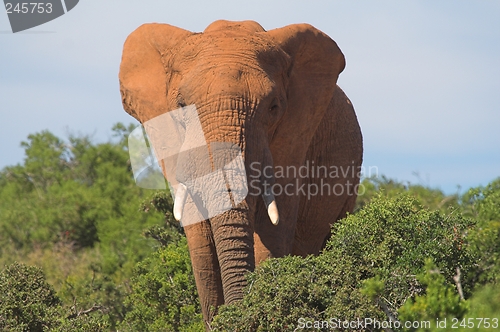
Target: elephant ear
column 312, row 79
column 143, row 79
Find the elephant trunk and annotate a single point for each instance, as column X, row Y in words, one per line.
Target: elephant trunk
column 233, row 230
column 228, row 235
column 233, row 238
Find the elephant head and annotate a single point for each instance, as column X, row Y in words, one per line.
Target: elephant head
column 261, row 93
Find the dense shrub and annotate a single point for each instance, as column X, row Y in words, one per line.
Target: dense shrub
column 430, row 198
column 480, row 312
column 440, row 300
column 442, row 309
column 29, row 303
column 164, row 296
column 484, row 308
column 73, row 208
column 387, row 242
column 483, row 205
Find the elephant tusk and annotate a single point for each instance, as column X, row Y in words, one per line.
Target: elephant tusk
column 272, row 211
column 272, row 208
column 179, row 201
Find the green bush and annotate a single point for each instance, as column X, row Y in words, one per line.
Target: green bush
column 385, row 245
column 73, row 209
column 29, row 303
column 164, row 296
column 480, row 311
column 440, row 301
column 484, row 308
column 483, row 204
column 430, row 198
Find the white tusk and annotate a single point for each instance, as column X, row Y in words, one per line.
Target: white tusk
column 272, row 208
column 272, row 211
column 179, row 201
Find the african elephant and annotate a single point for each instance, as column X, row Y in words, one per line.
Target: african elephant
column 273, row 95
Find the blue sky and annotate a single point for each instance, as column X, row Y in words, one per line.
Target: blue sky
column 424, row 76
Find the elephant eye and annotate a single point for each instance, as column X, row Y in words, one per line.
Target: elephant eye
column 274, row 105
column 180, row 101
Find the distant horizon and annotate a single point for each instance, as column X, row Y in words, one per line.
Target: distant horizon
column 457, row 189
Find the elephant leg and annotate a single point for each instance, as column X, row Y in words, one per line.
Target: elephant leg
column 205, row 268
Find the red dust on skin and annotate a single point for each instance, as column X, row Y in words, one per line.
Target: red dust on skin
column 274, row 95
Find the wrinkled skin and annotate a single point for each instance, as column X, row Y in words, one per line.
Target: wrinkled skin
column 274, row 95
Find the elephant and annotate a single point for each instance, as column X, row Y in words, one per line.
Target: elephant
column 273, row 96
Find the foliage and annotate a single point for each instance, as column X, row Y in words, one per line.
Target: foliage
column 441, row 303
column 430, row 198
column 114, row 257
column 483, row 204
column 280, row 291
column 164, row 296
column 73, row 209
column 441, row 299
column 29, row 303
column 161, row 201
column 389, row 239
column 484, row 308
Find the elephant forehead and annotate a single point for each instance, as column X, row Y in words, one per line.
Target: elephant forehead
column 230, row 64
column 229, row 80
column 223, row 47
